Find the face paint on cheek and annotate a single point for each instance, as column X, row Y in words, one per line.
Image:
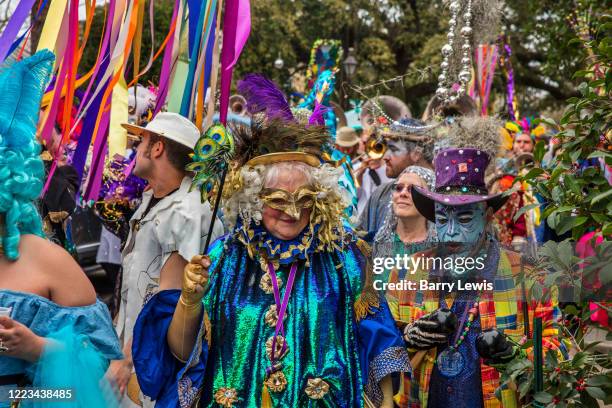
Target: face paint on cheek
column 395, row 149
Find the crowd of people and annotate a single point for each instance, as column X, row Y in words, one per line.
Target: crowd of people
column 270, row 300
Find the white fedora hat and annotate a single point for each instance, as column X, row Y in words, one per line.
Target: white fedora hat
column 169, row 125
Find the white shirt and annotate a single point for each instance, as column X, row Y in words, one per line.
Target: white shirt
column 367, row 185
column 178, row 223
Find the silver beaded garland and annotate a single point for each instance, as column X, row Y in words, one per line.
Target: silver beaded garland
column 445, row 83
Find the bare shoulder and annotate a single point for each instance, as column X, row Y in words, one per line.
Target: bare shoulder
column 68, row 284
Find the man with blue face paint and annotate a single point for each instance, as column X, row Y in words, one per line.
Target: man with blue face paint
column 458, row 336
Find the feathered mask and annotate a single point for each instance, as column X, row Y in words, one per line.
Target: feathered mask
column 274, row 135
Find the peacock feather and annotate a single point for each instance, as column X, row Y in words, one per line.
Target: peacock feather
column 212, row 154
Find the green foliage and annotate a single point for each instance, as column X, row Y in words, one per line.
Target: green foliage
column 585, row 377
column 579, row 200
column 577, row 382
column 392, row 38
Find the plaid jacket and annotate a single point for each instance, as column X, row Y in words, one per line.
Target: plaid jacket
column 501, row 308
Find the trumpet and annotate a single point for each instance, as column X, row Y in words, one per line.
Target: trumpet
column 375, row 148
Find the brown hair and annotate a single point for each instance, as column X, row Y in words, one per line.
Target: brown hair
column 178, row 154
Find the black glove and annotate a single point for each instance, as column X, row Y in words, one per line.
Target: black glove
column 430, row 330
column 495, row 348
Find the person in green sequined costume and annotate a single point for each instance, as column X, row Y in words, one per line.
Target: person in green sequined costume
column 281, row 313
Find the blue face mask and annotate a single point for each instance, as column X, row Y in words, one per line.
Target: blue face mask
column 462, row 224
column 459, row 230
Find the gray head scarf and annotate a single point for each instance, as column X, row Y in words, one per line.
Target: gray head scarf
column 384, row 239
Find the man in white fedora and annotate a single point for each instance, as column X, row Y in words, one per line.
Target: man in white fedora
column 166, row 231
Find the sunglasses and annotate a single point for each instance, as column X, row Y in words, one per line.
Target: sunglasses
column 398, row 188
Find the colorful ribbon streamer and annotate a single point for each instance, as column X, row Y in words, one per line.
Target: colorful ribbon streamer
column 236, row 30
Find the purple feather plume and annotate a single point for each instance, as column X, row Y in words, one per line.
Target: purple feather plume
column 317, row 117
column 262, row 95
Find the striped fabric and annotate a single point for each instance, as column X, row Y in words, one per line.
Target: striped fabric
column 500, row 309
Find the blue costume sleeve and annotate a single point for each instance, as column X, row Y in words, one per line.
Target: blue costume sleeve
column 382, row 350
column 161, row 376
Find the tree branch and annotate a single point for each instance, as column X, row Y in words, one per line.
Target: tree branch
column 418, row 90
column 415, row 10
column 534, row 81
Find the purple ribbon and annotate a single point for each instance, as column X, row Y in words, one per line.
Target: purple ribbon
column 97, row 164
column 510, row 88
column 12, row 28
column 281, row 307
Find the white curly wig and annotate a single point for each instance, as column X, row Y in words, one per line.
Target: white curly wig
column 246, row 204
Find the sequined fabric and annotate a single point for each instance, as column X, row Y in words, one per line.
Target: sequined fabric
column 321, row 334
column 330, row 358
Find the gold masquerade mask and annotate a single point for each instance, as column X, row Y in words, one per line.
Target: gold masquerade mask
column 291, row 204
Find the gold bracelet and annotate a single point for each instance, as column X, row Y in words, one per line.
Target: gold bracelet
column 189, row 306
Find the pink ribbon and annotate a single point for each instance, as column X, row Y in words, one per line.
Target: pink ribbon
column 236, row 30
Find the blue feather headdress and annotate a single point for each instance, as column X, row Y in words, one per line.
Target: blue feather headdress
column 22, row 172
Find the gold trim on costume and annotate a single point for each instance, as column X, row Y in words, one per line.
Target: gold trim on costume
column 279, row 157
column 316, row 388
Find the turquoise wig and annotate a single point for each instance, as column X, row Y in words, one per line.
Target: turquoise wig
column 22, row 172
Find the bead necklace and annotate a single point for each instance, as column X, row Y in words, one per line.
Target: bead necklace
column 473, row 312
column 451, row 362
column 445, row 84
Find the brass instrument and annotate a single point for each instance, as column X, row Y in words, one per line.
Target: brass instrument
column 238, row 105
column 375, row 148
column 523, row 160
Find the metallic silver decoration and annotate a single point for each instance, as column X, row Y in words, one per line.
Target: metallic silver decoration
column 445, row 89
column 447, row 50
column 442, row 92
column 465, row 76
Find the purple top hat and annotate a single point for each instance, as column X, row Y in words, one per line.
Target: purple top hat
column 460, row 180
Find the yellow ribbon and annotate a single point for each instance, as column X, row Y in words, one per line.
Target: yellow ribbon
column 53, row 23
column 117, row 135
